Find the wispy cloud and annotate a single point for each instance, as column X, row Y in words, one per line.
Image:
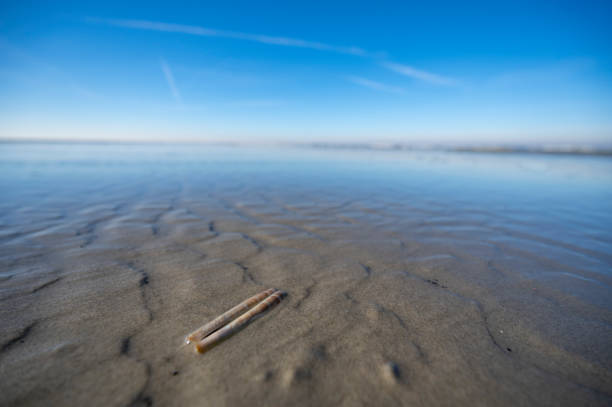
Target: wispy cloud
column 286, row 42
column 374, row 85
column 210, row 32
column 420, row 75
column 170, row 79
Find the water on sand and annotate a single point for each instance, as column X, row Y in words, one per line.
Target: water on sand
column 416, row 278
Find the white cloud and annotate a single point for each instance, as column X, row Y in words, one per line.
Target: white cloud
column 286, row 42
column 374, row 85
column 170, row 79
column 420, row 75
column 209, row 32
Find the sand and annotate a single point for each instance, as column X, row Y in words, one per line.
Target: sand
column 383, row 308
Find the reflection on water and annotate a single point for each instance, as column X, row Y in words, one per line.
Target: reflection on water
column 557, row 206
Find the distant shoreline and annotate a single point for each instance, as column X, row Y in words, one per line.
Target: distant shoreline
column 505, row 150
column 587, row 150
column 572, row 150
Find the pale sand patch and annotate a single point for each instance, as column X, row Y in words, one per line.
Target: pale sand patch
column 95, row 308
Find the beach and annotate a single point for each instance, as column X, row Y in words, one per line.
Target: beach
column 412, row 278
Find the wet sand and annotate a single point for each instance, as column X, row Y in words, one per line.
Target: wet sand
column 390, row 301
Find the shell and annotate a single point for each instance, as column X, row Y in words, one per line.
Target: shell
column 227, row 316
column 239, row 323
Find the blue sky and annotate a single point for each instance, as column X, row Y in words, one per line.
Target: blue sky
column 424, row 72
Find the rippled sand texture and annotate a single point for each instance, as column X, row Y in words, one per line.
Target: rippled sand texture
column 389, row 303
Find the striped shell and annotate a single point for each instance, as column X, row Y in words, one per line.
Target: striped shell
column 239, row 323
column 228, row 316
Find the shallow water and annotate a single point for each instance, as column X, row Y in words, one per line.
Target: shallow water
column 549, row 205
column 525, row 238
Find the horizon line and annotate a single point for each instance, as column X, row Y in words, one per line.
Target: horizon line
column 563, row 148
